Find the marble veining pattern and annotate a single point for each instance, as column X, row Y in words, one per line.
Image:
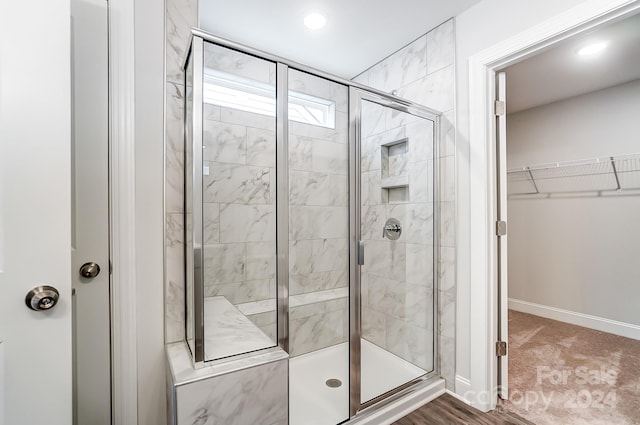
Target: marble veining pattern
column 318, row 296
column 261, row 147
column 180, row 16
column 247, row 223
column 318, row 331
column 257, row 395
column 241, row 292
column 182, row 372
column 440, row 47
column 228, row 331
column 239, row 184
column 436, row 90
column 318, row 308
column 224, row 263
column 447, row 134
column 311, row 222
column 224, row 142
column 223, row 60
column 317, row 189
column 302, row 158
column 248, row 119
column 310, row 282
column 174, row 171
column 174, row 276
column 403, row 333
column 318, row 222
column 401, row 68
column 257, row 307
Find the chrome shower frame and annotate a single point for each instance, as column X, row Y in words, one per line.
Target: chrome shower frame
column 357, row 94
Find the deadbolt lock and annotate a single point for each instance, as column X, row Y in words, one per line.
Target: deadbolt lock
column 42, row 298
column 89, row 270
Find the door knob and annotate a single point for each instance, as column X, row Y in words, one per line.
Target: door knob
column 41, row 298
column 89, row 270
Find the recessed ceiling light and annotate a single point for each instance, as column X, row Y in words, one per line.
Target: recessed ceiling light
column 592, row 49
column 315, row 21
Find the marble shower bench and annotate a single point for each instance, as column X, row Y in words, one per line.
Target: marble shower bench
column 317, row 319
column 238, row 390
column 228, row 331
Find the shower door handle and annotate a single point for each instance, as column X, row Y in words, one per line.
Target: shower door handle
column 360, row 253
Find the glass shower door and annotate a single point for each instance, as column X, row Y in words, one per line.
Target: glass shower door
column 397, row 235
column 318, row 142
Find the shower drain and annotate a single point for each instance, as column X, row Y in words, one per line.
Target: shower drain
column 333, row 383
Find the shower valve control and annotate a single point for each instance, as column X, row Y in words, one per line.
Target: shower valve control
column 392, row 229
column 41, row 298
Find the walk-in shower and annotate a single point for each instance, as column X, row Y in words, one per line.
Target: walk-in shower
column 310, row 225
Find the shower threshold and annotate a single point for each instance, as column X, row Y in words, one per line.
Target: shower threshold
column 313, row 402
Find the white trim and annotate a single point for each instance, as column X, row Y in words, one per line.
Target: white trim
column 463, row 389
column 458, row 397
column 482, row 175
column 2, row 381
column 122, row 206
column 401, row 407
column 594, row 322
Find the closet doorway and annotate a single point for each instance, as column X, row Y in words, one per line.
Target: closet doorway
column 568, row 159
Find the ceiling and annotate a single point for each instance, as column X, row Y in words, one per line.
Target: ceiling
column 358, row 33
column 559, row 73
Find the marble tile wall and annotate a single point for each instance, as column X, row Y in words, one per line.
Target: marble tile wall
column 246, row 390
column 245, row 393
column 256, row 395
column 181, row 16
column 239, row 199
column 424, row 72
column 397, row 278
column 318, row 219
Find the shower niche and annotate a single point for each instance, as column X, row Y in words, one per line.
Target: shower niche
column 291, row 176
column 394, row 176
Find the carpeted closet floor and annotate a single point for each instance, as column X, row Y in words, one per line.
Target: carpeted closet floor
column 570, row 375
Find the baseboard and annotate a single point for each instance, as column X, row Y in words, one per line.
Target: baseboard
column 458, row 397
column 463, row 387
column 598, row 323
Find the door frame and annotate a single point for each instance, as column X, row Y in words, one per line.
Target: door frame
column 356, row 97
column 483, row 177
column 122, row 216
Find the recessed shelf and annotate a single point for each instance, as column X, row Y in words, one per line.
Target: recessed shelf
column 394, row 175
column 395, row 181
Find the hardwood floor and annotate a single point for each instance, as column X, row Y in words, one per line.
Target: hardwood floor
column 447, row 410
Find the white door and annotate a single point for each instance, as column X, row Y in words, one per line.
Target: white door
column 90, row 213
column 35, row 210
column 503, row 298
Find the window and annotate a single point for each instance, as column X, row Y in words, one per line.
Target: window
column 260, row 98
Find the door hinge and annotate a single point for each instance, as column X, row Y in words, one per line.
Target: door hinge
column 501, row 348
column 501, row 228
column 500, row 107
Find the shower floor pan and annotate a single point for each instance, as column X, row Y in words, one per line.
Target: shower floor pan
column 313, row 402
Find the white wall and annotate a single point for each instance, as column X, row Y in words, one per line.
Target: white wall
column 480, row 27
column 576, row 253
column 601, row 123
column 149, row 135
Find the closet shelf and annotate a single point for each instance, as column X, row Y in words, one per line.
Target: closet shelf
column 612, row 173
